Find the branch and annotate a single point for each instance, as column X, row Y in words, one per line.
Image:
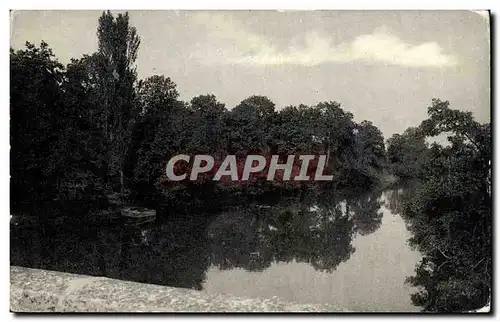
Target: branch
column 442, row 265
column 448, row 257
column 477, row 147
column 477, row 264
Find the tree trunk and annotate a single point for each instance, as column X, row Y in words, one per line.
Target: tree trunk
column 121, row 186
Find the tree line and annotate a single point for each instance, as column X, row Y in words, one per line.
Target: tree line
column 85, row 133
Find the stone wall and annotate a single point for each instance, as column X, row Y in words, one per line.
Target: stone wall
column 35, row 290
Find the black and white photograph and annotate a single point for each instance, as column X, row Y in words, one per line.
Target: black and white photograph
column 252, row 161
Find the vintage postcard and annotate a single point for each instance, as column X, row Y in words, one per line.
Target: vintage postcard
column 250, row 161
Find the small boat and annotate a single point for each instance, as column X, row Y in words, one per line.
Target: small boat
column 139, row 221
column 138, row 212
column 138, row 216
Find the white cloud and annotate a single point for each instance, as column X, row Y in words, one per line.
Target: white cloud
column 383, row 47
column 239, row 46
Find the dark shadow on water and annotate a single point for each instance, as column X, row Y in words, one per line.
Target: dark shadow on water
column 178, row 248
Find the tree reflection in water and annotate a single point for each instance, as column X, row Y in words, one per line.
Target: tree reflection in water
column 317, row 229
column 178, row 249
column 173, row 252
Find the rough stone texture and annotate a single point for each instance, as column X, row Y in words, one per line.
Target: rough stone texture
column 35, row 290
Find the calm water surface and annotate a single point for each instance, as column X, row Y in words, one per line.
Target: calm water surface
column 349, row 251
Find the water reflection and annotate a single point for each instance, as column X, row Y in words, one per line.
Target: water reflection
column 316, row 232
column 367, row 216
column 174, row 253
column 395, row 200
column 349, row 251
column 396, row 197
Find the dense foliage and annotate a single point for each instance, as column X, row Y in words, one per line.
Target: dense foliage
column 450, row 210
column 406, row 153
column 91, row 131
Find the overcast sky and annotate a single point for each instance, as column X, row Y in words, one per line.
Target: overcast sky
column 384, row 66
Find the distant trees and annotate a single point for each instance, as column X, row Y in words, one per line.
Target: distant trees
column 248, row 125
column 207, row 127
column 406, row 153
column 293, row 130
column 369, row 158
column 356, row 153
column 120, row 132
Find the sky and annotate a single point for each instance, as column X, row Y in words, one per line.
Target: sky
column 382, row 66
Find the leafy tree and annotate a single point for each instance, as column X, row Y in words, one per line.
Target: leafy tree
column 450, row 215
column 369, row 158
column 156, row 134
column 115, row 76
column 292, row 130
column 406, row 153
column 55, row 147
column 207, row 124
column 248, row 124
column 36, row 126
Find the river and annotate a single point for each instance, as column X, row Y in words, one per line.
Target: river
column 350, row 251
